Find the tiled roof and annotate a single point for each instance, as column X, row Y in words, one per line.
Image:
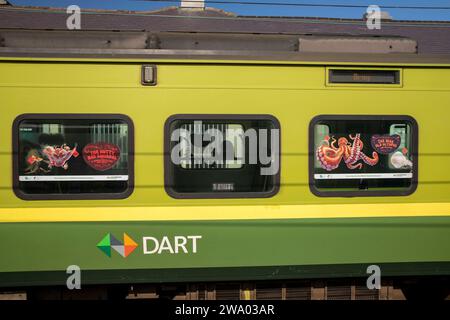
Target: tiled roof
column 432, row 36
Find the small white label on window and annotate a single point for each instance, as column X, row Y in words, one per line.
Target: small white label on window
column 325, row 176
column 75, row 178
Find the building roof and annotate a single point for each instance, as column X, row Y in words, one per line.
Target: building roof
column 432, row 37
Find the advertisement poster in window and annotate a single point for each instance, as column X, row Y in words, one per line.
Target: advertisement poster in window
column 363, row 155
column 73, row 156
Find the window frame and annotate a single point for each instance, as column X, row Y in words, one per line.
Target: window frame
column 72, row 116
column 168, row 174
column 363, row 193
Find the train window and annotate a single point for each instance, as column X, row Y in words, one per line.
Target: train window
column 73, row 156
column 222, row 156
column 363, row 155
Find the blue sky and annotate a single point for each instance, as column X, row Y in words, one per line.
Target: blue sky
column 400, row 14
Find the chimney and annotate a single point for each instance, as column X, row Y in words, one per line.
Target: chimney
column 384, row 16
column 196, row 4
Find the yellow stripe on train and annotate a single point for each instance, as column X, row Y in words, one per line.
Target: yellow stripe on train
column 54, row 214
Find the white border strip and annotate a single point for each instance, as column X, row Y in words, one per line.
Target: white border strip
column 325, row 176
column 74, row 178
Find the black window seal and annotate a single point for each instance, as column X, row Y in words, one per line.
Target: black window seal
column 364, row 193
column 72, row 116
column 219, row 195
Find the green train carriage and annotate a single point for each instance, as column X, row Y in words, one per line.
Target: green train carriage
column 361, row 175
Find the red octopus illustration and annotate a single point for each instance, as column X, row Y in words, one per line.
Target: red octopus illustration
column 330, row 156
column 58, row 156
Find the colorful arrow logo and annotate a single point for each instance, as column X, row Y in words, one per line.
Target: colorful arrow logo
column 124, row 248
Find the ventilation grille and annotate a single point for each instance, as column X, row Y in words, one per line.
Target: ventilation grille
column 201, row 292
column 265, row 292
column 339, row 292
column 346, row 289
column 298, row 292
column 363, row 293
column 228, row 292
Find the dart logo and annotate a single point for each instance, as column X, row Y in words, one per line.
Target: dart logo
column 124, row 248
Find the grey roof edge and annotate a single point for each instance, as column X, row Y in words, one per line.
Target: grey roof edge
column 228, row 16
column 228, row 56
column 82, row 39
column 212, row 32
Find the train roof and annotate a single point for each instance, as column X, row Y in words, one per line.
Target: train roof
column 213, row 33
